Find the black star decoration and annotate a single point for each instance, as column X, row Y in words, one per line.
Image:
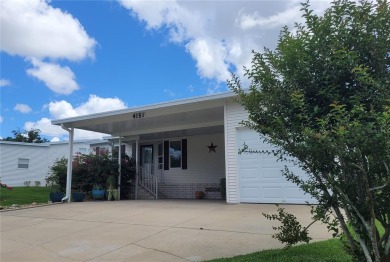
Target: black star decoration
column 212, row 148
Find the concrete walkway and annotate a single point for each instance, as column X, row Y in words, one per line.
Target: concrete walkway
column 141, row 230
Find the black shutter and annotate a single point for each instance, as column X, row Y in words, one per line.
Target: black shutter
column 184, row 153
column 166, row 155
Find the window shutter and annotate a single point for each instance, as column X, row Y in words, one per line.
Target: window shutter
column 166, row 155
column 97, row 151
column 184, row 153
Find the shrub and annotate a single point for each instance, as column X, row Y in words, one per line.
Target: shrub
column 90, row 170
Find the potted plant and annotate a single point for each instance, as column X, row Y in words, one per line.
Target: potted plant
column 112, row 191
column 56, row 179
column 78, row 196
column 55, row 193
column 98, row 192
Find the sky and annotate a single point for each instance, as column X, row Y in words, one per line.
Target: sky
column 68, row 58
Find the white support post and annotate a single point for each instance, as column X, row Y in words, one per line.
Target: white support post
column 69, row 167
column 119, row 167
column 136, row 168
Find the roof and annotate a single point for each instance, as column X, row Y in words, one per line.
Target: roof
column 192, row 115
column 47, row 144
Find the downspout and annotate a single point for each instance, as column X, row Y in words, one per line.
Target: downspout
column 69, row 169
column 119, row 168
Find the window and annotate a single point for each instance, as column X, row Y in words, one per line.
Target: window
column 175, row 154
column 23, row 163
column 82, row 150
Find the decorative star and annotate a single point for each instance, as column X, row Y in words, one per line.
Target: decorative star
column 212, row 148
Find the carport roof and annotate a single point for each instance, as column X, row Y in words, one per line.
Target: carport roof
column 189, row 116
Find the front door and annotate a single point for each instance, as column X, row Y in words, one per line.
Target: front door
column 147, row 159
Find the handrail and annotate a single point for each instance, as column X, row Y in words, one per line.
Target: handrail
column 147, row 180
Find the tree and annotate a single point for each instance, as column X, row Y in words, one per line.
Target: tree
column 322, row 97
column 31, row 136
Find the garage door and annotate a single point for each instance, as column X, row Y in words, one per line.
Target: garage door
column 260, row 177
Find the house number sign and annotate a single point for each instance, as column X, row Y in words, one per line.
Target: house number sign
column 139, row 115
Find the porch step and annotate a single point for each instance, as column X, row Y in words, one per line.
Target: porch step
column 144, row 194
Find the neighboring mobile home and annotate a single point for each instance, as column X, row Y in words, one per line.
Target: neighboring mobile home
column 190, row 145
column 23, row 162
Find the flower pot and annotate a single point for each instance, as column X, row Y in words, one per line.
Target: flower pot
column 98, row 193
column 56, row 196
column 78, row 196
column 198, row 194
column 112, row 194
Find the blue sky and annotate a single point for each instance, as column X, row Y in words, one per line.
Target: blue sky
column 68, row 58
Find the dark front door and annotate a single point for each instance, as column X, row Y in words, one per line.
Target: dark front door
column 147, row 159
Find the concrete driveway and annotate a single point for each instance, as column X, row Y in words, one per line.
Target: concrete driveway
column 141, row 230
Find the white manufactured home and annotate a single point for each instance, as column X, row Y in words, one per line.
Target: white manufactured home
column 23, row 162
column 189, row 145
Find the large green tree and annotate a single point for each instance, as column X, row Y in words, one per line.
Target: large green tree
column 322, row 97
column 30, row 136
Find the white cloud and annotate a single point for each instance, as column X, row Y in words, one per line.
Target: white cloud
column 35, row 29
column 95, row 104
column 59, row 79
column 55, row 139
column 1, row 119
column 22, row 108
column 220, row 35
column 4, row 82
column 63, row 109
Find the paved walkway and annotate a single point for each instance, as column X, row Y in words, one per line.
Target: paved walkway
column 141, row 230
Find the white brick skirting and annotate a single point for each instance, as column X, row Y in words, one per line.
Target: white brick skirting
column 187, row 191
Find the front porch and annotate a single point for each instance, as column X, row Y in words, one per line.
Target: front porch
column 179, row 146
column 177, row 167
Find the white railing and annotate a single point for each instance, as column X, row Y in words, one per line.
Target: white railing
column 147, row 180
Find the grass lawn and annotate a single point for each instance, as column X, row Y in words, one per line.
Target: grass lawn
column 24, row 195
column 329, row 250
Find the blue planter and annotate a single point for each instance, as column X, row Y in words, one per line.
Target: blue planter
column 78, row 196
column 98, row 193
column 56, row 196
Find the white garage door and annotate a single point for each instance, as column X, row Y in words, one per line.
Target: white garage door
column 260, row 177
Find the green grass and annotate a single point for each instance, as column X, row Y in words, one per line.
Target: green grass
column 24, row 195
column 329, row 250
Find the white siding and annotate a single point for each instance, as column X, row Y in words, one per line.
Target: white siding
column 202, row 166
column 234, row 114
column 41, row 158
column 37, row 167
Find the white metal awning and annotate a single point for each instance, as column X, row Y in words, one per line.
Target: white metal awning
column 200, row 115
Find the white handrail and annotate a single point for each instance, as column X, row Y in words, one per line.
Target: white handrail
column 148, row 180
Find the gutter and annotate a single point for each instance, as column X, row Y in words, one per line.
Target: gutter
column 69, row 167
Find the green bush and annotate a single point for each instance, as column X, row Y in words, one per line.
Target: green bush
column 57, row 179
column 90, row 170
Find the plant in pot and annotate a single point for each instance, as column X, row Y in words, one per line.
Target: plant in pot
column 112, row 189
column 78, row 196
column 57, row 180
column 98, row 192
column 56, row 194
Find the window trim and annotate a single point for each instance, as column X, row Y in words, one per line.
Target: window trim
column 22, row 163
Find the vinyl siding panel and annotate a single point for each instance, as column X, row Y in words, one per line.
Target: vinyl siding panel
column 41, row 158
column 202, row 166
column 234, row 114
column 37, row 166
